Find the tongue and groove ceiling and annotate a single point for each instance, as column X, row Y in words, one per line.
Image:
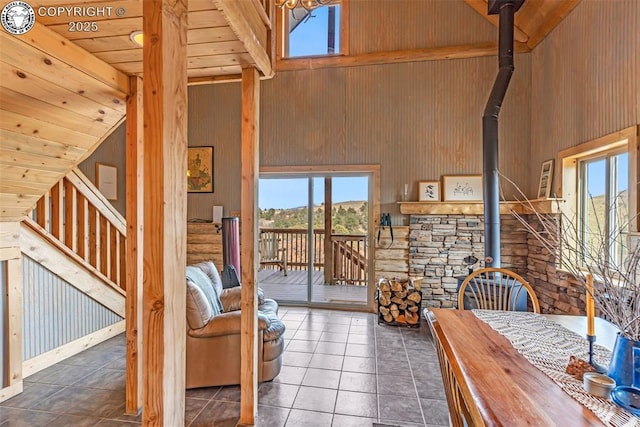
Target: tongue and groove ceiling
column 62, row 92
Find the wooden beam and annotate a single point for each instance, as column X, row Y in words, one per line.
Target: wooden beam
column 164, row 24
column 634, row 178
column 247, row 25
column 250, row 136
column 396, row 56
column 328, row 245
column 14, row 322
column 482, row 8
column 477, row 208
column 12, row 329
column 551, row 20
column 133, row 264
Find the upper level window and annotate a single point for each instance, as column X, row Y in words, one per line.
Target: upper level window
column 316, row 32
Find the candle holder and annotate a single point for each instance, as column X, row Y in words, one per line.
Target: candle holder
column 599, row 368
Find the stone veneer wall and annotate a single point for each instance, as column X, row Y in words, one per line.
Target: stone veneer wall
column 557, row 291
column 438, row 244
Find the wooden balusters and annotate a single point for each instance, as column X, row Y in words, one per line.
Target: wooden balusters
column 80, row 218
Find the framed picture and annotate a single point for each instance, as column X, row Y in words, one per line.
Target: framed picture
column 462, row 188
column 107, row 180
column 428, row 191
column 546, row 179
column 200, row 170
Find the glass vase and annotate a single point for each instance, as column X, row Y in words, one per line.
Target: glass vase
column 623, row 367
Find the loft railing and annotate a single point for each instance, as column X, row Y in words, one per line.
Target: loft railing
column 349, row 253
column 75, row 215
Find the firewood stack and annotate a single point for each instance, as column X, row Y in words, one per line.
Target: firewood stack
column 399, row 302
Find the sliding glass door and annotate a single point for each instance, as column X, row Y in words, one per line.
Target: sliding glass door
column 313, row 238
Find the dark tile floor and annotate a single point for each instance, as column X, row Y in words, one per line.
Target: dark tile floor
column 340, row 369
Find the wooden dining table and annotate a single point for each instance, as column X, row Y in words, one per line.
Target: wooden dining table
column 488, row 382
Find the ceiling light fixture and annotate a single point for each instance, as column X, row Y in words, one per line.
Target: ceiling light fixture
column 136, row 37
column 307, row 4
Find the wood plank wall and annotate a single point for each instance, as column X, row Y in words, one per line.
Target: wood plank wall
column 415, row 24
column 585, row 80
column 112, row 152
column 214, row 119
column 419, row 120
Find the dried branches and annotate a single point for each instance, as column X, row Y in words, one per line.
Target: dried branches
column 588, row 247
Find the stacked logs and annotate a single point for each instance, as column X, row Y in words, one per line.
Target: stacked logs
column 399, row 302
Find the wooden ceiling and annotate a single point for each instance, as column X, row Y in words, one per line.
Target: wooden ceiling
column 219, row 41
column 534, row 21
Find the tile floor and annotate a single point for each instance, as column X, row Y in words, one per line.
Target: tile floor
column 340, row 369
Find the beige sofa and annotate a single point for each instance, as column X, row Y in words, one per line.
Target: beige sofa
column 213, row 331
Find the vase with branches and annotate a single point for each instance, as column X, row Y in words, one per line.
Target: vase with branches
column 603, row 251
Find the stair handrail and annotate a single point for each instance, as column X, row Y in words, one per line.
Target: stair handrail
column 79, row 217
column 94, row 196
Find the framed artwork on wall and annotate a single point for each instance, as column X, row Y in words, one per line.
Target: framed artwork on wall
column 107, row 180
column 462, row 188
column 200, row 170
column 546, row 179
column 428, row 191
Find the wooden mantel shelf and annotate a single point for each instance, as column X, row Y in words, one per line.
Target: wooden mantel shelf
column 543, row 206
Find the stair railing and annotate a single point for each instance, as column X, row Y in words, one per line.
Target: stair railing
column 76, row 215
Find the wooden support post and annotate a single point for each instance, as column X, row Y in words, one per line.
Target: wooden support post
column 328, row 244
column 164, row 25
column 133, row 264
column 250, row 132
column 10, row 253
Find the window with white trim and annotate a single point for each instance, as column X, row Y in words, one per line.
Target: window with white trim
column 603, row 208
column 598, row 202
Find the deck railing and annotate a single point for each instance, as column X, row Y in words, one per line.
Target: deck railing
column 80, row 218
column 349, row 253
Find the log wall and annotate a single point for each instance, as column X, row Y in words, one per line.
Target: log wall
column 204, row 243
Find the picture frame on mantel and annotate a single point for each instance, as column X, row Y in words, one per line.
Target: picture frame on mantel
column 200, row 170
column 462, row 188
column 428, row 191
column 546, row 179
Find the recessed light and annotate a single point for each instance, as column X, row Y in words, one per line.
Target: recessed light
column 136, row 37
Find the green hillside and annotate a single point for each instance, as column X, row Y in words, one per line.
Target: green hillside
column 347, row 217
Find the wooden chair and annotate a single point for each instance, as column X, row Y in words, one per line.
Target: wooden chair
column 496, row 289
column 271, row 253
column 462, row 410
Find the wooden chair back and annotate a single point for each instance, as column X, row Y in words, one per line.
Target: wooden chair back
column 270, row 251
column 495, row 289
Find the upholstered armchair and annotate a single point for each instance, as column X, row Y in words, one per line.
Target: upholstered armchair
column 213, row 331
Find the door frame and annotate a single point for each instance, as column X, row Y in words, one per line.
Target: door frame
column 373, row 171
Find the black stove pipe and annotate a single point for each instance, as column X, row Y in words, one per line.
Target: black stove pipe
column 491, row 183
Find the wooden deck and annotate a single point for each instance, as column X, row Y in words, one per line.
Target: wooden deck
column 293, row 288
